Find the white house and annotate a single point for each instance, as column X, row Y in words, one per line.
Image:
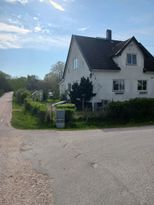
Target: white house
column 119, row 70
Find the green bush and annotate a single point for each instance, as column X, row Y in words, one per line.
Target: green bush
column 138, row 110
column 36, row 108
column 21, row 95
column 66, row 106
column 1, row 92
column 53, row 101
column 89, row 116
column 69, row 117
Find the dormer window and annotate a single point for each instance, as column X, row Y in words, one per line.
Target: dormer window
column 75, row 63
column 131, row 59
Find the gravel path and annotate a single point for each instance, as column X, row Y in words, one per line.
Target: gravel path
column 20, row 184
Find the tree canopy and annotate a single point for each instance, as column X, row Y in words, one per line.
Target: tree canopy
column 4, row 83
column 50, row 83
column 82, row 92
column 53, row 78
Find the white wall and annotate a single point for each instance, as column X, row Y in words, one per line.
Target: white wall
column 103, row 80
column 74, row 75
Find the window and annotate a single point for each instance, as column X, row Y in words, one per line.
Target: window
column 69, row 87
column 142, row 85
column 75, row 63
column 118, row 85
column 131, row 59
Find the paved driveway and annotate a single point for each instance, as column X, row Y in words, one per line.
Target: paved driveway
column 94, row 167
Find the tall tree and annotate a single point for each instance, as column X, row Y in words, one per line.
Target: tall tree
column 32, row 82
column 17, row 83
column 53, row 78
column 58, row 69
column 4, row 82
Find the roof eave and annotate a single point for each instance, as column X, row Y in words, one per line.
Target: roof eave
column 88, row 64
column 67, row 57
column 118, row 53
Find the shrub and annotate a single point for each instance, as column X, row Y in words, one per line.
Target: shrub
column 139, row 110
column 21, row 95
column 89, row 116
column 53, row 101
column 36, row 108
column 69, row 117
column 66, row 106
column 1, row 92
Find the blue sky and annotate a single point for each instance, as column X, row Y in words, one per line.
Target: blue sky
column 34, row 34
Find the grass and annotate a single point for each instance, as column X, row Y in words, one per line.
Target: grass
column 25, row 120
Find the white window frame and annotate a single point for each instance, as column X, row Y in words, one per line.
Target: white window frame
column 142, row 85
column 121, row 85
column 131, row 59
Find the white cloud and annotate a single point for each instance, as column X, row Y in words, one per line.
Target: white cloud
column 18, row 1
column 83, row 29
column 14, row 21
column 56, row 5
column 37, row 29
column 36, row 18
column 13, row 29
column 44, row 41
column 9, row 41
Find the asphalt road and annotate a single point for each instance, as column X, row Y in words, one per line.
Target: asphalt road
column 94, row 167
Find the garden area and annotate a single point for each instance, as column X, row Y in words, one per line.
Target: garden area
column 31, row 114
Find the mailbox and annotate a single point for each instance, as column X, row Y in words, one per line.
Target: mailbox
column 60, row 118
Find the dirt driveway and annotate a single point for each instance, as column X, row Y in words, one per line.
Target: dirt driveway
column 92, row 167
column 20, row 184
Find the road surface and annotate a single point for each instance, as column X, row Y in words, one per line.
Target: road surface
column 92, row 167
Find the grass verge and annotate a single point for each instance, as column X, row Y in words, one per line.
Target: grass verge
column 25, row 120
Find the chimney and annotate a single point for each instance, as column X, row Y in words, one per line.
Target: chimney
column 108, row 34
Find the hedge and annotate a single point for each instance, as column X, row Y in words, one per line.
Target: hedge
column 139, row 109
column 66, row 106
column 36, row 108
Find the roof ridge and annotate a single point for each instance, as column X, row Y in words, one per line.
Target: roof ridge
column 96, row 38
column 126, row 42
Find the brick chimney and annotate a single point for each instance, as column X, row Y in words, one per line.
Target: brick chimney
column 108, row 34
